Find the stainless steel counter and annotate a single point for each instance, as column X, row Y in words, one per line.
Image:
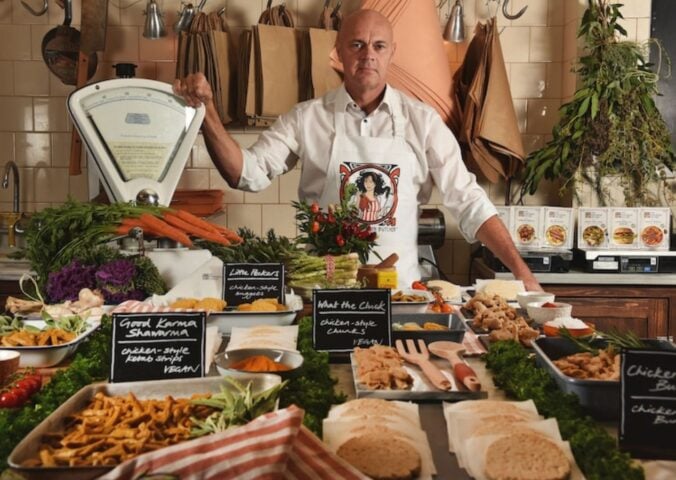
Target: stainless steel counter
column 11, row 270
column 579, row 277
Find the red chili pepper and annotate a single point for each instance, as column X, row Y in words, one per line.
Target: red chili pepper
column 315, row 227
column 340, row 241
column 417, row 285
column 314, row 208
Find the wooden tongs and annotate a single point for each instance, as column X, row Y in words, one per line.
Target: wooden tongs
column 422, row 360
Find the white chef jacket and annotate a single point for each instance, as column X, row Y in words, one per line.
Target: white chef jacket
column 307, row 132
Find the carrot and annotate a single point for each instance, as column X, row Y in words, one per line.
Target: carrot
column 165, row 230
column 129, row 223
column 194, row 229
column 229, row 234
column 195, row 220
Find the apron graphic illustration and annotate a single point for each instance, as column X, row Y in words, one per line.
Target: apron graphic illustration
column 373, row 191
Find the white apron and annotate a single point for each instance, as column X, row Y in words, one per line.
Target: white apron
column 384, row 174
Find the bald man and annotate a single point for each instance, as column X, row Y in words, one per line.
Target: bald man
column 368, row 140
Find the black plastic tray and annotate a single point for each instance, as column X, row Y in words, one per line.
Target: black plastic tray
column 455, row 332
column 600, row 398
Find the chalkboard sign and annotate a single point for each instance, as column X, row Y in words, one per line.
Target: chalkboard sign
column 344, row 319
column 157, row 346
column 246, row 282
column 648, row 403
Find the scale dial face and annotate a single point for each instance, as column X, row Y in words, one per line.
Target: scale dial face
column 139, row 133
column 141, row 128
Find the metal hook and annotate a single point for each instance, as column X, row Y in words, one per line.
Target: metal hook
column 336, row 9
column 224, row 11
column 516, row 15
column 37, row 13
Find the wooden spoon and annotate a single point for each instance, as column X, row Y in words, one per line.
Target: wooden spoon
column 451, row 351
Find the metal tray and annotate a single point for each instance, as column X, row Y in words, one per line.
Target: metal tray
column 600, row 398
column 421, row 389
column 50, row 355
column 237, row 318
column 29, row 446
column 454, row 333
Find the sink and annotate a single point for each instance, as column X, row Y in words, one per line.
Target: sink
column 11, row 269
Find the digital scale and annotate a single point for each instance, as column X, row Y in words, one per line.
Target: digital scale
column 541, row 260
column 626, row 261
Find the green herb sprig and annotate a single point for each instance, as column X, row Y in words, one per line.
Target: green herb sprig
column 595, row 450
column 235, row 405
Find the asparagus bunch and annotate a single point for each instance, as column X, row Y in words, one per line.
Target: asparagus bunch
column 309, row 271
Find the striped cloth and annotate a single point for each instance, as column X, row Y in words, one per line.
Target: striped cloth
column 273, row 446
column 136, row 306
column 472, row 344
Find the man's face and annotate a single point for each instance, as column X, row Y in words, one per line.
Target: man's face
column 366, row 48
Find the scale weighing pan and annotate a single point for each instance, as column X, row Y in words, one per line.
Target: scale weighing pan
column 139, row 135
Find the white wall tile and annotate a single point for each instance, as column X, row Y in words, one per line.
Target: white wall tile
column 514, row 42
column 542, row 115
column 249, row 216
column 33, row 149
column 535, row 15
column 7, row 78
column 280, row 218
column 17, row 114
column 529, row 80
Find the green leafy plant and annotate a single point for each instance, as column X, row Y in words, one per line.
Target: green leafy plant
column 334, row 232
column 611, row 126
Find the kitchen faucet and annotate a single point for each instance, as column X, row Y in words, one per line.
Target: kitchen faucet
column 11, row 165
column 15, row 215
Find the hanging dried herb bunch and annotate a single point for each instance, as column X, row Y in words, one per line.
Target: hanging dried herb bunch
column 611, row 126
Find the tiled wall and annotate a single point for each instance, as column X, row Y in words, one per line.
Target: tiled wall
column 34, row 126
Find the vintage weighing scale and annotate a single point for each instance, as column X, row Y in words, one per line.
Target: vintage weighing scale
column 538, row 260
column 138, row 136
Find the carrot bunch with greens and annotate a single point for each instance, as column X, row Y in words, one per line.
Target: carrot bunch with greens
column 179, row 225
column 57, row 235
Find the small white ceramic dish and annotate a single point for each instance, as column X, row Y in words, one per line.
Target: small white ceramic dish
column 542, row 315
column 292, row 359
column 524, row 298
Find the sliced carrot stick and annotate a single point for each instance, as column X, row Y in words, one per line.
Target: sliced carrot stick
column 164, row 229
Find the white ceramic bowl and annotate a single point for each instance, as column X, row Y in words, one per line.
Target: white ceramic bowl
column 541, row 315
column 225, row 360
column 9, row 363
column 524, row 298
column 417, row 306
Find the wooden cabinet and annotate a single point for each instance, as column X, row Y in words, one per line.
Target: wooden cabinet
column 644, row 311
